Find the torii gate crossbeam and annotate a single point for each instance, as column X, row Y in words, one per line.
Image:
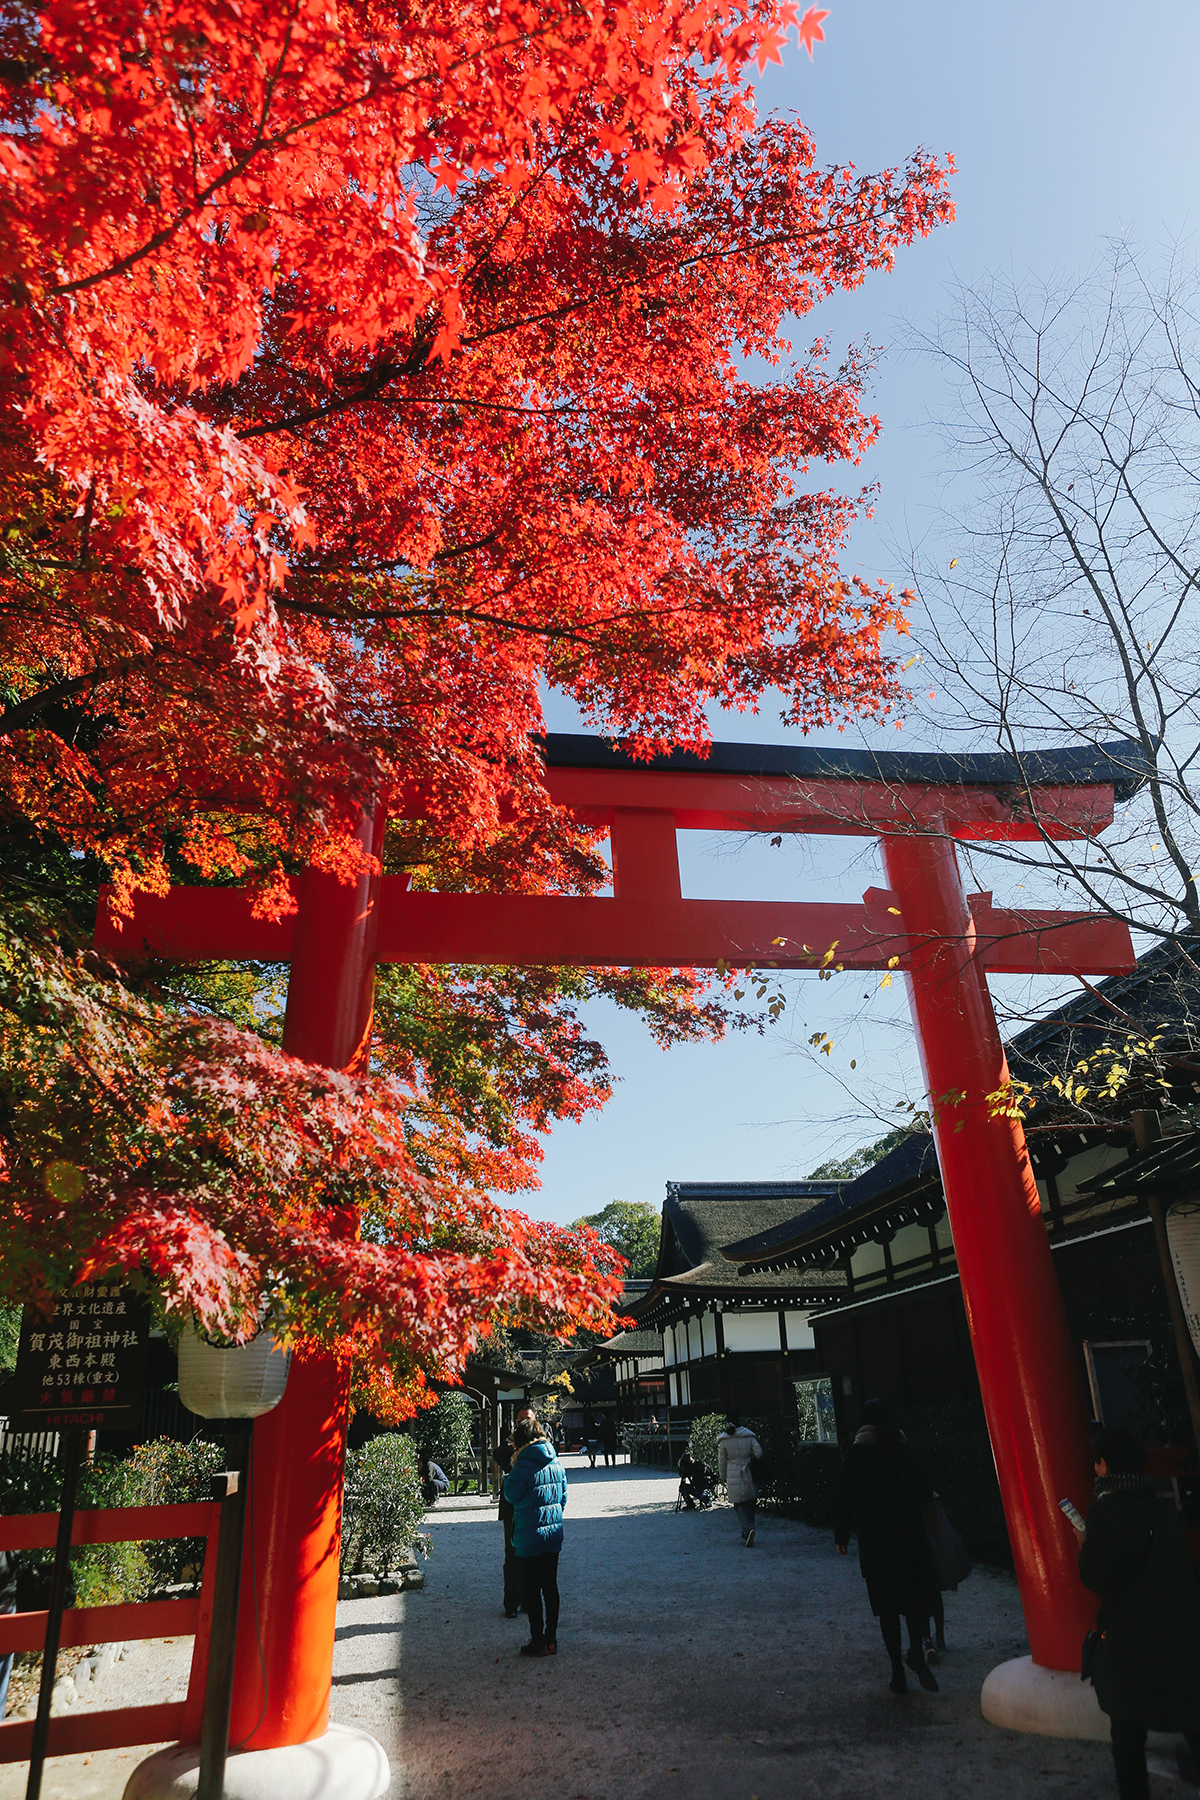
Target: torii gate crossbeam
column 945, row 942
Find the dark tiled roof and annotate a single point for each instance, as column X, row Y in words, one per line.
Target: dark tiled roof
column 634, row 1343
column 725, row 1277
column 701, row 1217
column 478, row 1369
column 904, row 1171
column 1161, row 990
column 1171, row 1167
column 1123, row 763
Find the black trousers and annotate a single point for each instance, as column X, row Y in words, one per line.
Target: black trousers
column 539, row 1581
column 889, row 1624
column 1129, row 1758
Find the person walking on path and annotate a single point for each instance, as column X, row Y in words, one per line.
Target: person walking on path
column 735, row 1448
column 512, row 1573
column 536, row 1487
column 1146, row 1665
column 608, row 1437
column 885, row 1495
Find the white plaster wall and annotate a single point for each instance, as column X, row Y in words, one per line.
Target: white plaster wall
column 799, row 1332
column 752, row 1331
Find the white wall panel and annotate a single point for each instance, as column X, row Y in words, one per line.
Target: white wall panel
column 751, row 1331
column 799, row 1332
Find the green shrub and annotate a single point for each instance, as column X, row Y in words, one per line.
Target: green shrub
column 382, row 1507
column 29, row 1484
column 702, row 1442
column 159, row 1474
column 167, row 1473
column 802, row 1476
column 444, row 1434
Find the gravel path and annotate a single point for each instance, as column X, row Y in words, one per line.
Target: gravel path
column 688, row 1669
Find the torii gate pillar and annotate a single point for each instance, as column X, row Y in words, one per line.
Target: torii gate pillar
column 290, row 1579
column 1033, row 1396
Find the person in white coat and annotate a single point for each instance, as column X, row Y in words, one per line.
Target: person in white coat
column 736, row 1446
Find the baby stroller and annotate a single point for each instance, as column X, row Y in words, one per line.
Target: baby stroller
column 696, row 1485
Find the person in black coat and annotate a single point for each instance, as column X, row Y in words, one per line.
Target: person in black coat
column 608, row 1437
column 512, row 1569
column 885, row 1496
column 1135, row 1555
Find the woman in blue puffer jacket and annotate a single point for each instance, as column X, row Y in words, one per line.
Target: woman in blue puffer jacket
column 536, row 1487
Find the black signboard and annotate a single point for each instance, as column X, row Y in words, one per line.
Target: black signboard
column 85, row 1363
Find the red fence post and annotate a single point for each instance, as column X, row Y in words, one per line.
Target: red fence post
column 1028, row 1371
column 290, row 1568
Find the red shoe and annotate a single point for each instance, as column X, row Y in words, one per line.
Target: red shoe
column 532, row 1649
column 550, row 1649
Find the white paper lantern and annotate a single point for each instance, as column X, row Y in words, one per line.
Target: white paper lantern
column 1183, row 1236
column 242, row 1382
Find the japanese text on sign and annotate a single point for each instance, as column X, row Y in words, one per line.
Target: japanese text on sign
column 85, row 1363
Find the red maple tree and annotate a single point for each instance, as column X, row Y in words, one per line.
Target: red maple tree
column 364, row 370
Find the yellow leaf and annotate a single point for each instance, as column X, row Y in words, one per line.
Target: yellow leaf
column 886, row 982
column 954, row 562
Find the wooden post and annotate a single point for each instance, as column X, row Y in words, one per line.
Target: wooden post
column 229, row 1487
column 73, row 1456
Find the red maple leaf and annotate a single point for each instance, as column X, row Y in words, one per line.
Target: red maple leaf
column 810, row 28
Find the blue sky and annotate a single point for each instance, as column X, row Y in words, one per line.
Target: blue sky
column 1071, row 125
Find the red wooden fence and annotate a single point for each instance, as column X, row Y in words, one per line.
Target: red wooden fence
column 175, row 1721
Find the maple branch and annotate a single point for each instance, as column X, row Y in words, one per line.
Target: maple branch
column 483, row 543
column 601, row 294
column 432, row 615
column 720, row 605
column 369, row 389
column 15, row 718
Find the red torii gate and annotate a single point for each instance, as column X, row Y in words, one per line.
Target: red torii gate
column 945, row 941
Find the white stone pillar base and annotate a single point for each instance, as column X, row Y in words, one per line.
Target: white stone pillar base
column 1022, row 1696
column 345, row 1764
